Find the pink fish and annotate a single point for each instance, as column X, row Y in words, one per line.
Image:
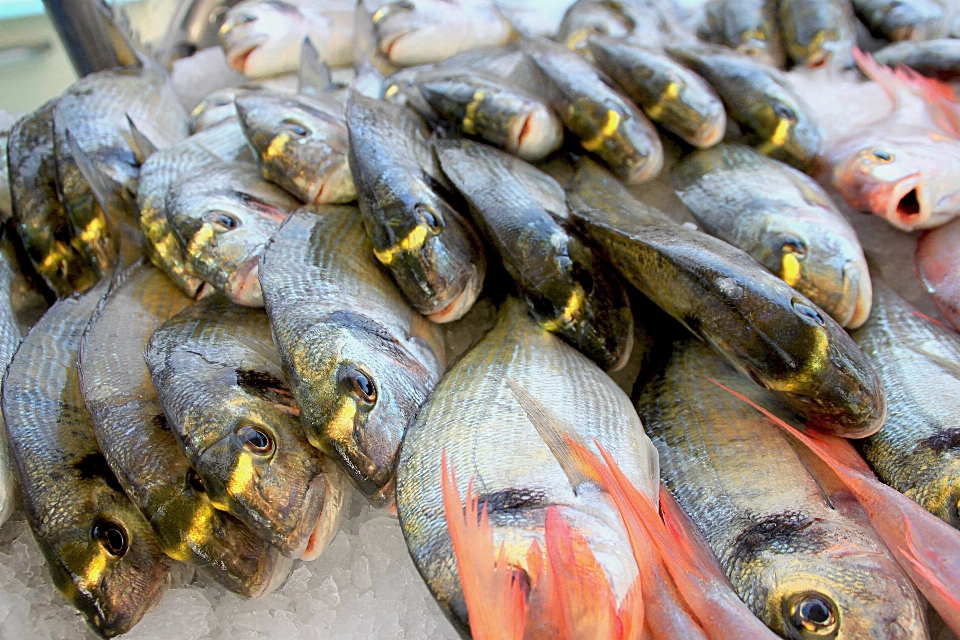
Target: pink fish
column 938, row 261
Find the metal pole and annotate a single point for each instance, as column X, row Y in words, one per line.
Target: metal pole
column 82, row 29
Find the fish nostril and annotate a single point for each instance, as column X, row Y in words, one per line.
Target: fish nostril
column 909, row 204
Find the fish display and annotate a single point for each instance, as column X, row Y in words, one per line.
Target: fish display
column 644, row 23
column 912, row 20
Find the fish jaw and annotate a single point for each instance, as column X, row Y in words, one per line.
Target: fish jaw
column 334, row 498
column 313, row 532
column 244, row 287
column 463, row 302
column 857, row 277
column 536, row 135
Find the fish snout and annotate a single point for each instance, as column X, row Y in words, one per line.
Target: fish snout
column 907, row 207
column 858, row 289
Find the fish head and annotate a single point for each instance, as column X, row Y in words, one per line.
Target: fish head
column 301, row 145
column 223, row 219
column 358, row 390
column 214, row 109
column 264, row 37
column 786, row 133
column 626, row 141
column 592, row 18
column 901, row 178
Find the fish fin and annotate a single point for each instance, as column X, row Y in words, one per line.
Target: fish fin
column 930, row 319
column 314, row 78
column 951, row 367
column 940, row 98
column 883, row 76
column 555, row 434
column 141, row 142
column 369, row 78
column 268, row 353
column 98, row 187
column 632, row 612
column 687, row 535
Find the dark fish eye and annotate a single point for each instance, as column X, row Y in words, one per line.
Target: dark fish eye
column 813, row 614
column 598, row 27
column 221, row 219
column 220, row 102
column 295, row 128
column 194, row 480
column 794, row 245
column 112, row 537
column 255, row 440
column 247, row 18
column 784, row 112
column 359, row 383
column 404, row 4
column 883, row 156
column 808, row 312
column 430, row 218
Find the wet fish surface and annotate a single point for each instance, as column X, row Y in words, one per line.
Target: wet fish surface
column 10, row 337
column 938, row 58
column 818, row 32
column 937, row 259
column 898, row 20
column 749, row 26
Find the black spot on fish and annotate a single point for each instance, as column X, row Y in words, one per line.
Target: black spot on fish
column 513, row 499
column 265, row 385
column 944, row 441
column 94, row 465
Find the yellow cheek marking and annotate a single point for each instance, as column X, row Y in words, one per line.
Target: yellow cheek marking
column 414, row 240
column 95, row 569
column 791, row 269
column 574, row 303
column 201, row 238
column 340, row 428
column 609, row 128
column 93, row 230
column 778, row 138
column 469, row 124
column 669, row 94
column 391, row 91
column 241, row 477
column 756, row 34
column 577, row 39
column 276, row 146
column 381, row 14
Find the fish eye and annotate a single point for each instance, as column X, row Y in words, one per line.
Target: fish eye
column 255, row 440
column 295, row 128
column 195, row 482
column 111, row 536
column 882, row 156
column 220, row 102
column 794, row 245
column 430, row 218
column 359, row 383
column 221, row 219
column 813, row 615
column 247, row 18
column 404, row 4
column 784, row 112
column 808, row 312
column 598, row 27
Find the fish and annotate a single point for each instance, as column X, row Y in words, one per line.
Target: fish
column 10, row 337
column 939, row 58
column 101, row 112
column 904, row 19
column 905, row 166
column 670, row 95
column 431, row 250
column 6, row 204
column 644, row 23
column 749, row 26
column 479, row 104
column 101, row 552
column 223, row 218
column 784, row 220
column 138, row 445
column 937, row 261
column 606, row 122
column 775, row 119
column 491, row 415
column 214, row 109
column 219, row 382
column 412, row 32
column 917, row 452
column 359, row 360
column 301, row 144
column 796, row 547
column 262, row 38
column 568, row 287
column 762, row 326
column 39, row 215
column 818, row 33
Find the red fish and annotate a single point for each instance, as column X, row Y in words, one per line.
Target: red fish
column 938, row 262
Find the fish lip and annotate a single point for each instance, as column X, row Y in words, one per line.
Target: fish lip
column 314, row 503
column 461, row 304
column 389, row 42
column 534, row 135
column 244, row 287
column 327, row 523
column 860, row 277
column 904, row 220
column 278, row 575
column 240, row 51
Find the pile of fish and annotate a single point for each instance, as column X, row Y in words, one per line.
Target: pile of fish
column 446, row 268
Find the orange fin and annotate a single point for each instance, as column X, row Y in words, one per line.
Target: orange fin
column 940, row 98
column 933, row 320
column 883, row 76
column 632, row 613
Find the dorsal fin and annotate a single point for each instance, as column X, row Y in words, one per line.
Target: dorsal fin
column 314, row 78
column 96, row 180
column 143, row 144
column 369, row 79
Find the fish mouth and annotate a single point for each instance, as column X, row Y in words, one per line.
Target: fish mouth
column 535, row 135
column 239, row 53
column 461, row 304
column 244, row 287
column 907, row 208
column 389, row 43
column 330, row 485
column 856, row 276
column 278, row 575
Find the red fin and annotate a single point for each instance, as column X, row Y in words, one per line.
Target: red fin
column 632, row 613
column 933, row 320
column 883, row 76
column 940, row 97
column 547, row 620
column 683, row 529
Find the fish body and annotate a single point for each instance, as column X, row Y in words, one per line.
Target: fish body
column 475, row 418
column 797, row 550
column 818, row 32
column 938, row 263
column 917, row 451
column 749, row 26
column 478, row 104
column 218, row 379
column 938, row 58
column 762, row 326
column 430, row 249
column 133, row 435
column 214, row 109
column 10, row 337
column 784, row 220
column 569, row 289
column 40, row 217
column 101, row 552
column 301, row 144
column 670, row 94
column 359, row 360
column 898, row 20
column 776, row 120
column 606, row 122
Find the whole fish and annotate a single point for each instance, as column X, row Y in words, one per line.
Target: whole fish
column 938, row 58
column 670, row 94
column 917, row 452
column 818, row 32
column 644, row 23
column 99, row 112
column 432, row 252
column 301, row 144
column 218, row 379
column 133, row 435
column 784, row 220
column 762, row 326
column 214, row 109
column 223, row 218
column 569, row 289
column 40, row 217
column 102, row 555
column 479, row 104
column 938, row 263
column 9, row 341
column 757, row 97
column 493, row 435
column 264, row 37
column 606, row 122
column 904, row 19
column 749, row 26
column 796, row 547
column 359, row 360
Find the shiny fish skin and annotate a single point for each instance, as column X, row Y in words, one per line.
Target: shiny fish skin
column 342, row 329
column 218, row 379
column 301, row 144
column 645, row 23
column 783, row 220
column 749, row 26
column 432, row 252
column 604, row 120
column 214, row 109
column 781, row 534
column 569, row 289
column 38, row 213
column 937, row 260
column 762, row 326
column 670, row 94
column 76, row 509
column 474, row 416
column 818, row 32
column 131, row 430
column 917, row 451
column 898, row 20
column 6, row 206
column 776, row 120
column 9, row 341
column 938, row 59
